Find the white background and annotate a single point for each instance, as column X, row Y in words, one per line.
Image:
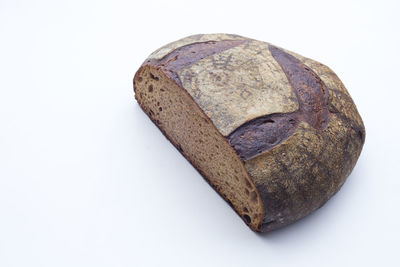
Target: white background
column 87, row 180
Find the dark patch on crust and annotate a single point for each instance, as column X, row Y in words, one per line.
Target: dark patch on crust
column 187, row 55
column 310, row 90
column 263, row 133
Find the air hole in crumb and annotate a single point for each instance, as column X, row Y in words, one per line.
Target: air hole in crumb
column 245, row 209
column 158, row 103
column 151, row 112
column 162, row 89
column 154, row 77
column 160, row 108
column 247, row 218
column 151, row 88
column 140, row 79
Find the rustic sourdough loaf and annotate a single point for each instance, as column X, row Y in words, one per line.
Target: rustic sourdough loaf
column 275, row 133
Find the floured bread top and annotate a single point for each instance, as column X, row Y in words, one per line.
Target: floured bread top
column 233, row 79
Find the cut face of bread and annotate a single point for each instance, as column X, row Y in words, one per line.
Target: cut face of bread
column 274, row 133
column 194, row 135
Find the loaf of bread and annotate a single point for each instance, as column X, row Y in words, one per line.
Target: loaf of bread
column 274, row 133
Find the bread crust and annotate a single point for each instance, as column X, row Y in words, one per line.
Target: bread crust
column 289, row 118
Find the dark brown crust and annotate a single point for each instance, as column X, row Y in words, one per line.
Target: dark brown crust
column 310, row 90
column 342, row 139
column 189, row 54
column 312, row 188
column 264, row 133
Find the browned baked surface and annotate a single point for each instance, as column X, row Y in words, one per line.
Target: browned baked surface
column 276, row 134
